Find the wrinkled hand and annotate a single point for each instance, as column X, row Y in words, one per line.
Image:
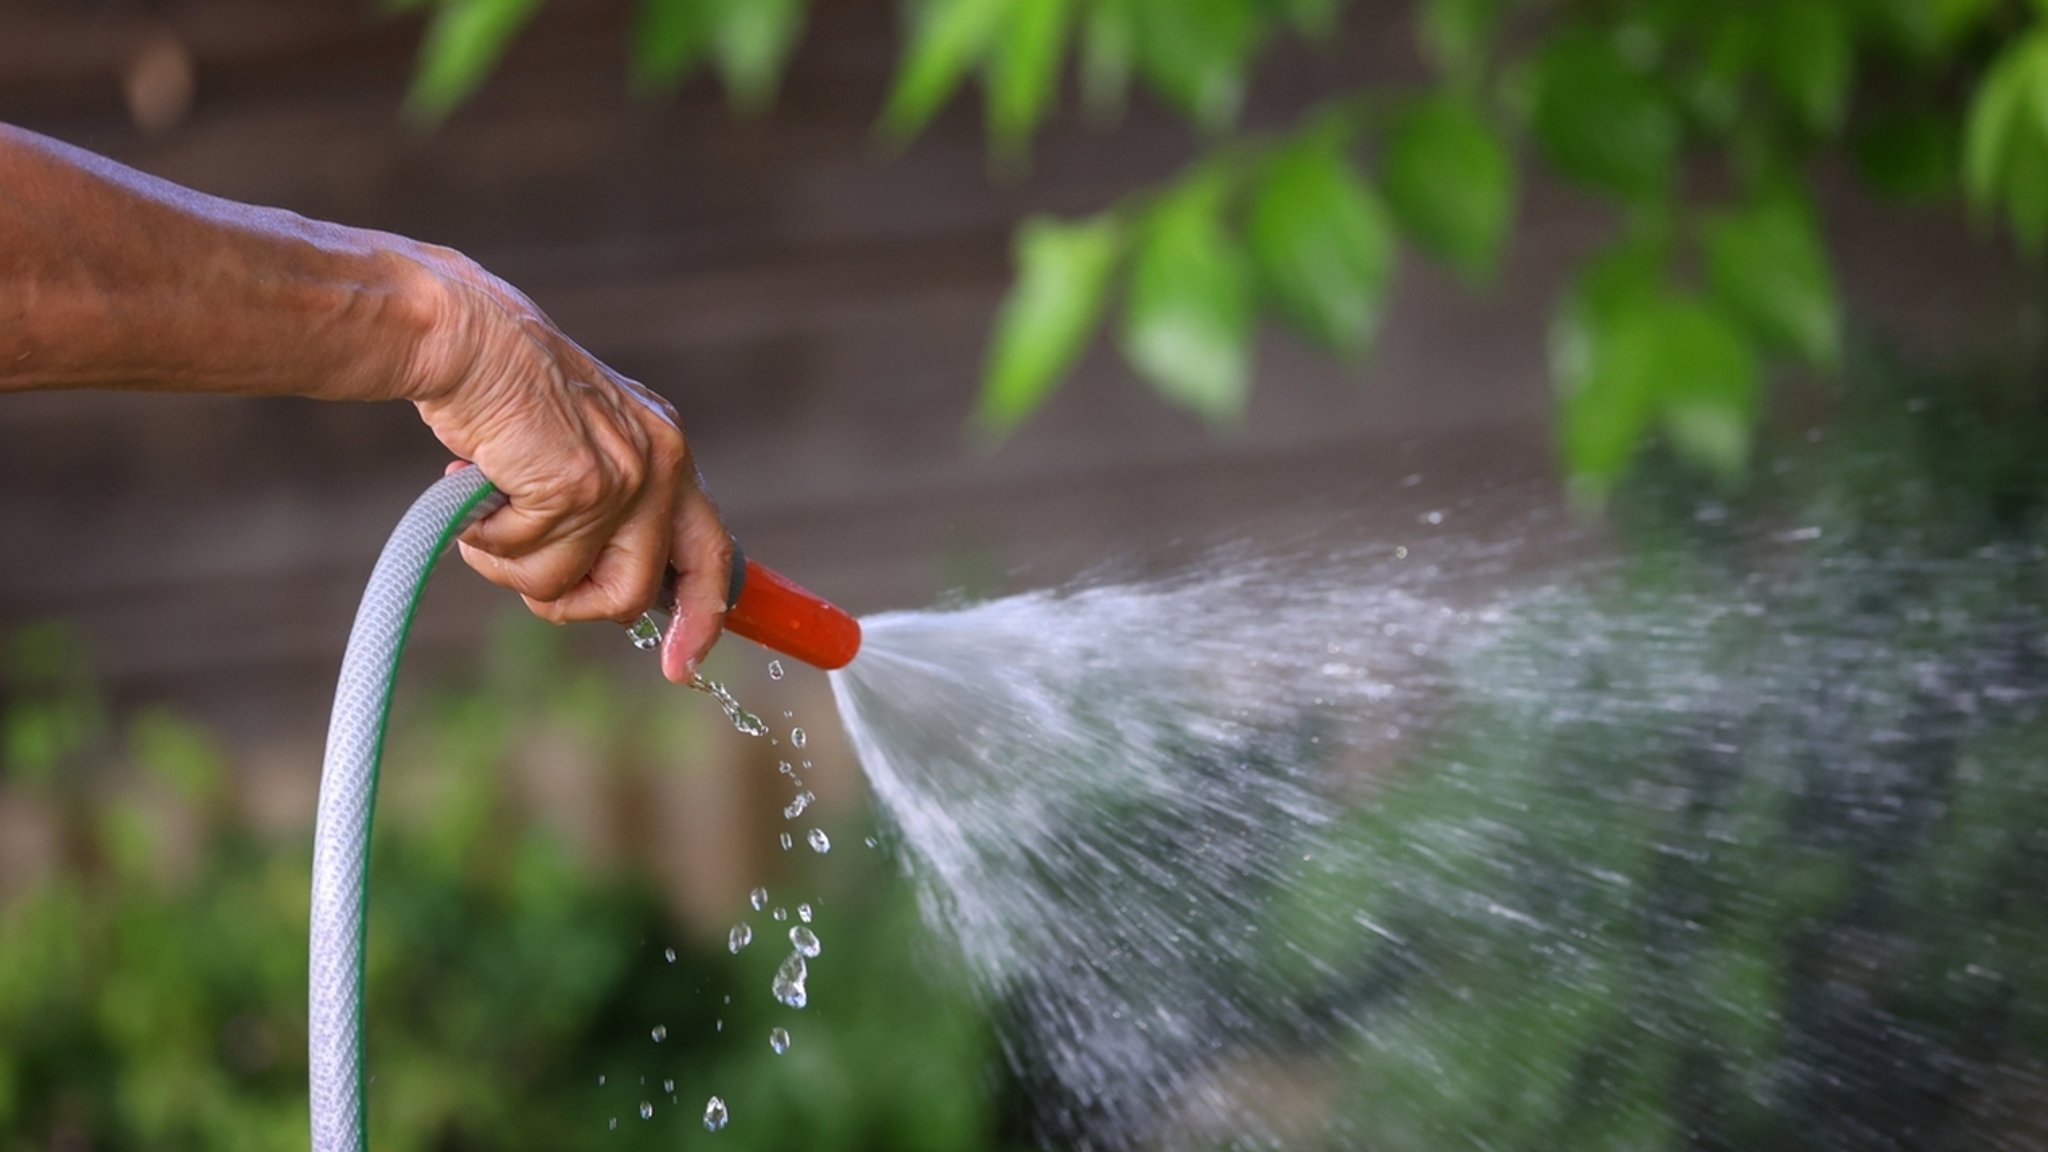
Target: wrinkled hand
column 602, row 494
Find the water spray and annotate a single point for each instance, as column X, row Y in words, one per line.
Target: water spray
column 764, row 607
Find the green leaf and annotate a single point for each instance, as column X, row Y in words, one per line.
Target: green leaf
column 1707, row 374
column 950, row 38
column 670, row 38
column 2026, row 195
column 752, row 43
column 1768, row 265
column 1450, row 183
column 1024, row 68
column 1457, row 34
column 1601, row 123
column 1811, row 56
column 1195, row 53
column 1993, row 118
column 1324, row 243
column 1597, row 359
column 463, row 43
column 1063, row 272
column 1187, row 318
column 1107, row 46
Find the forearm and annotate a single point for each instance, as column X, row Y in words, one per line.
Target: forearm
column 113, row 279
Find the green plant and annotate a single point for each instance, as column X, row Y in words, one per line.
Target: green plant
column 152, row 982
column 1700, row 122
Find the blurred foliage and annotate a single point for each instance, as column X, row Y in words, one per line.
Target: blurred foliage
column 1700, row 122
column 1740, row 849
column 153, row 983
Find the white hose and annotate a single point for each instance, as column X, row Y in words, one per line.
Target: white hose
column 348, row 792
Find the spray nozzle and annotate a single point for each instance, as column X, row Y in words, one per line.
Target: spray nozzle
column 770, row 609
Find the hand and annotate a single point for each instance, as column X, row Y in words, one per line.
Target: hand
column 602, row 494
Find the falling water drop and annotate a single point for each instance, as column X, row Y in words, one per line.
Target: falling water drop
column 778, row 1039
column 796, row 807
column 647, row 1110
column 741, row 935
column 742, row 720
column 668, row 1085
column 758, row 898
column 714, row 1114
column 775, row 669
column 669, row 954
column 803, row 913
column 784, row 768
column 786, row 841
column 804, row 941
column 660, row 1033
column 789, row 982
column 797, row 737
column 781, row 913
column 600, row 1079
column 614, row 1125
column 819, row 841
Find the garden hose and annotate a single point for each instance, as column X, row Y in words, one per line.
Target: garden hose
column 764, row 607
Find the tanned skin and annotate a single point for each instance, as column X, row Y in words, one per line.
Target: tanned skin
column 110, row 278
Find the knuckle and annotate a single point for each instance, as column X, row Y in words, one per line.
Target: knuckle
column 640, row 589
column 630, row 474
column 666, row 450
column 588, row 486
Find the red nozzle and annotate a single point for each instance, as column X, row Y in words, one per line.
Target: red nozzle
column 774, row 612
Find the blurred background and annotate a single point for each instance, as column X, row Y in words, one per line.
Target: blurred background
column 784, row 218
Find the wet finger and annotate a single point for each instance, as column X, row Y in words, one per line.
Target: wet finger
column 701, row 552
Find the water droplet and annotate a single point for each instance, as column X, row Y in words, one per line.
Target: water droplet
column 775, row 669
column 1432, row 518
column 614, row 1125
column 645, row 633
column 778, row 1039
column 803, row 913
column 741, row 935
column 718, row 1025
column 786, row 841
column 784, row 768
column 669, row 954
column 797, row 737
column 600, row 1079
column 804, row 941
column 819, row 841
column 742, row 720
column 660, row 1033
column 796, row 807
column 789, row 982
column 668, row 1085
column 714, row 1114
column 781, row 913
column 758, row 898
column 647, row 1110
column 869, row 841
